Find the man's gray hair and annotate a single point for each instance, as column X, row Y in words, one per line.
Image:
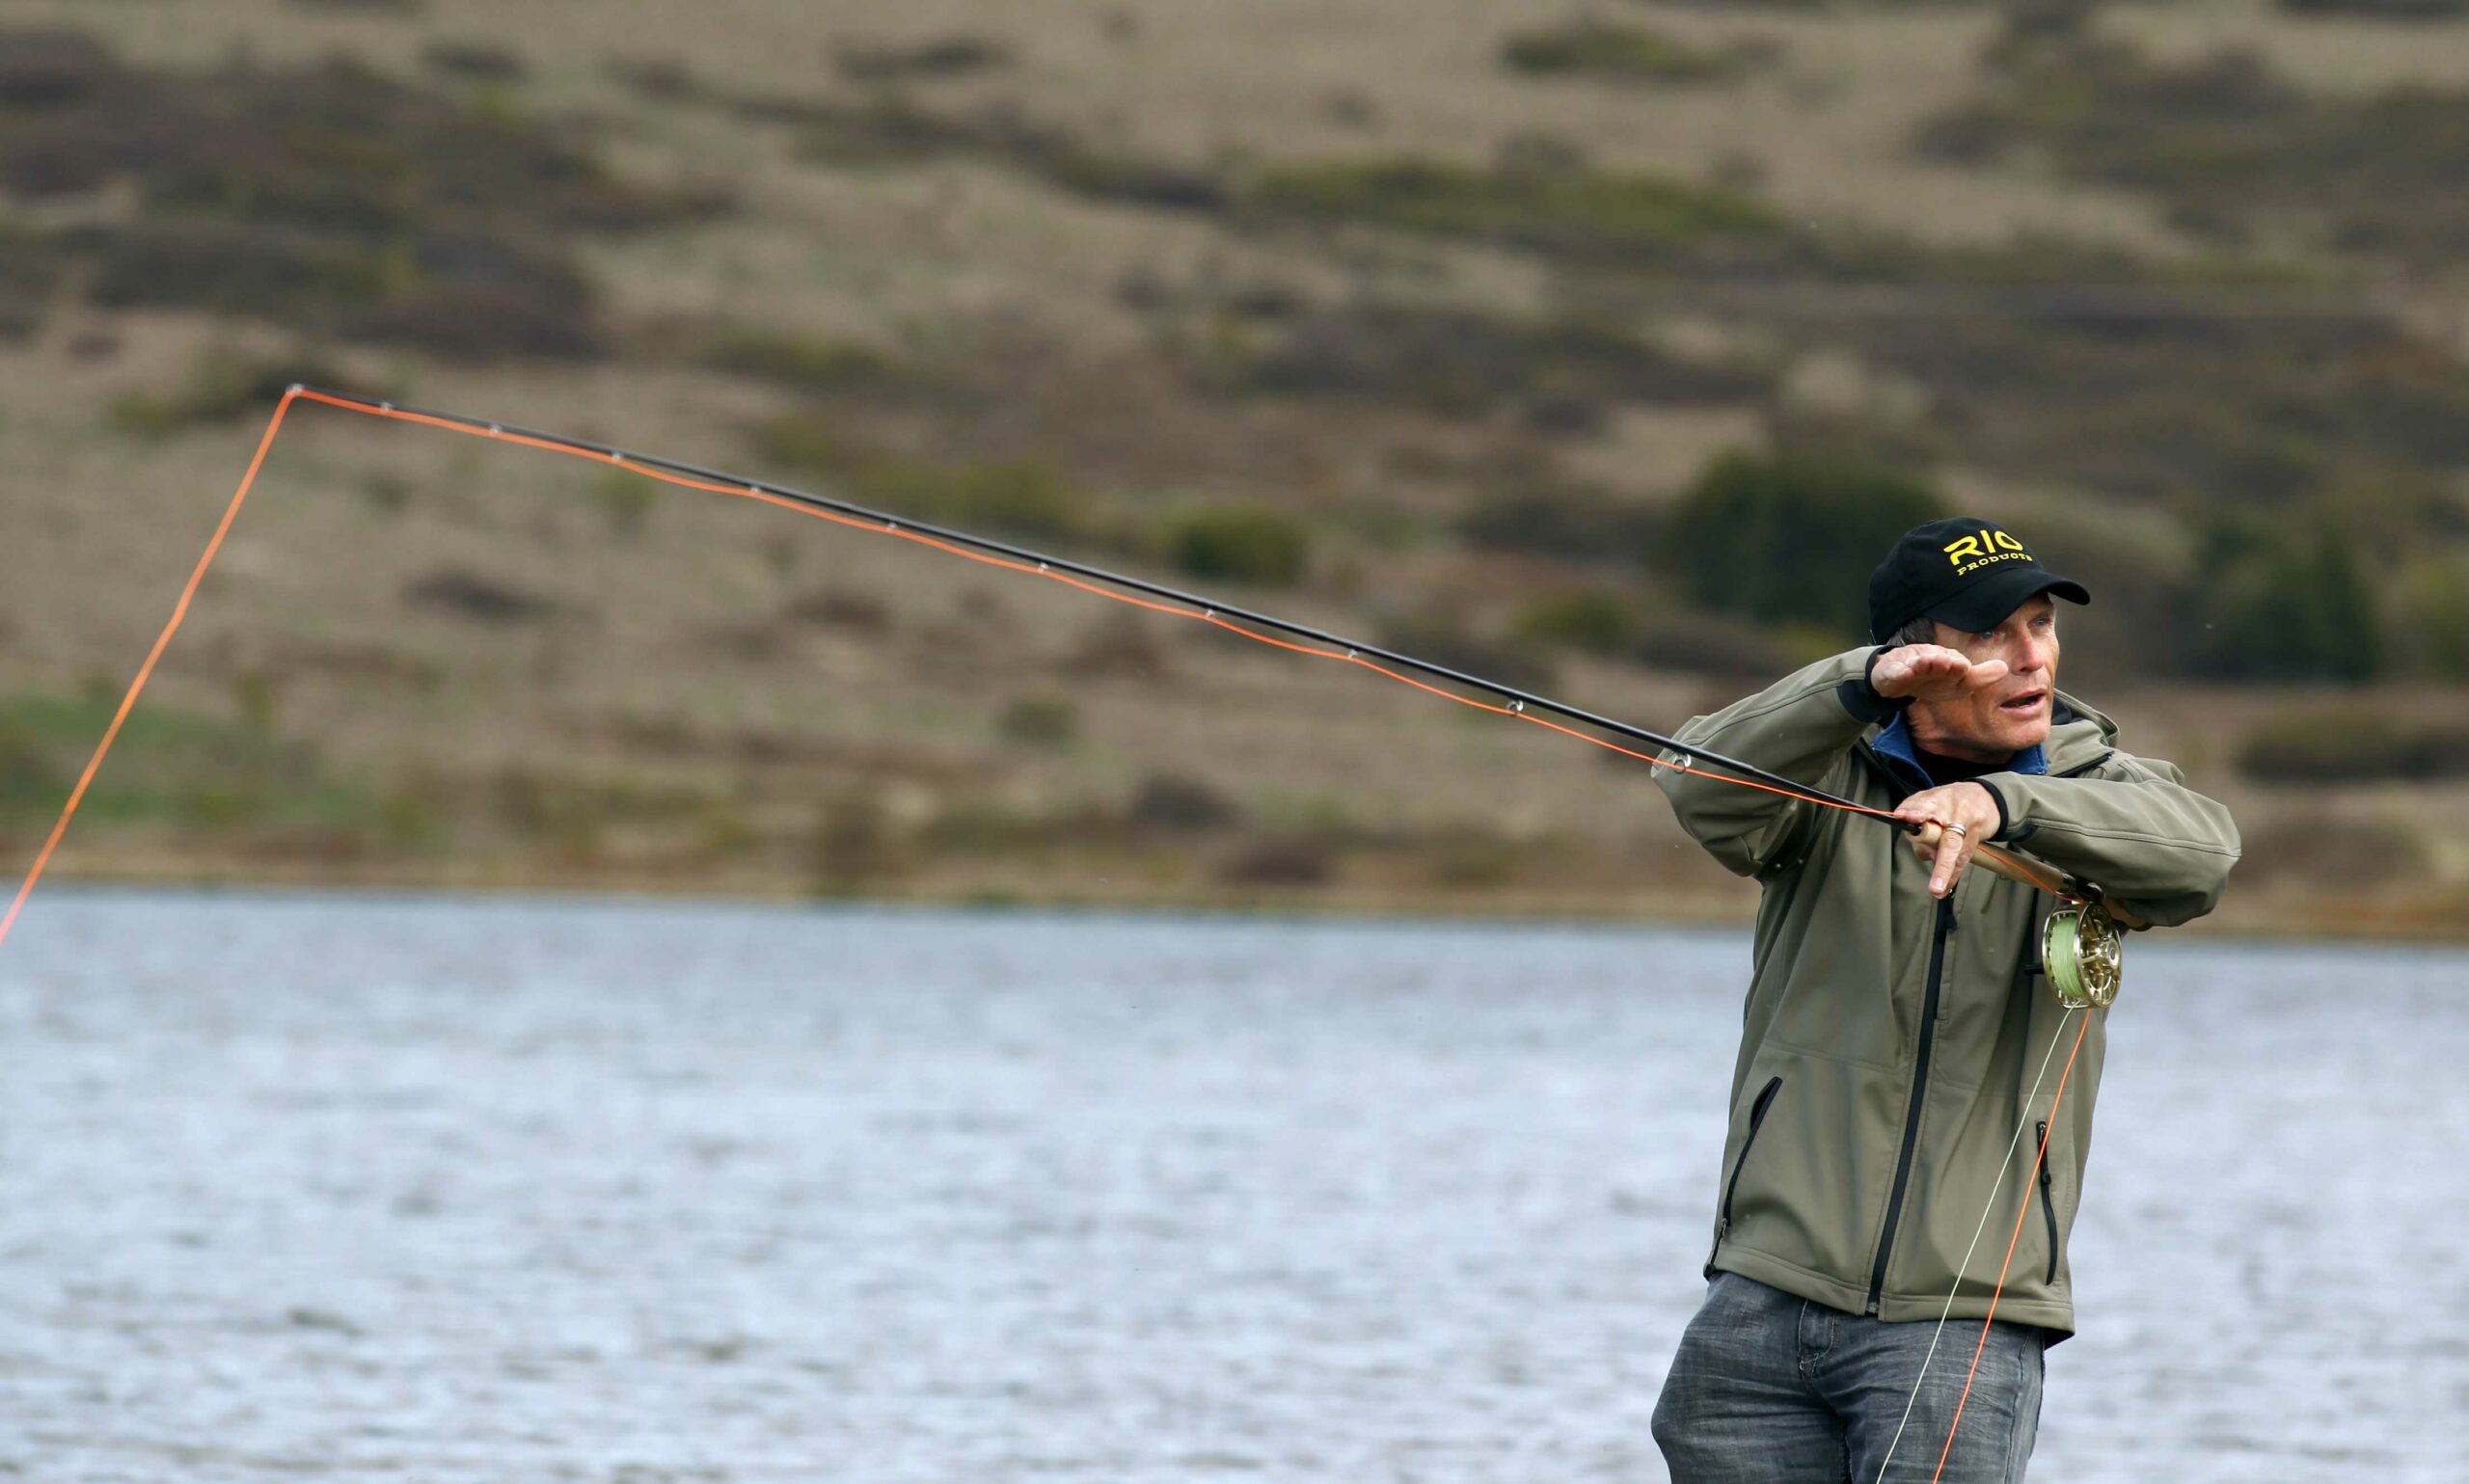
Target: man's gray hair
column 1919, row 631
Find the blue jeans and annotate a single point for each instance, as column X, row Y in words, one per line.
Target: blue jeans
column 1771, row 1389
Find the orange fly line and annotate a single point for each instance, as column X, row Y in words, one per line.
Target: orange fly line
column 497, row 433
column 1209, row 615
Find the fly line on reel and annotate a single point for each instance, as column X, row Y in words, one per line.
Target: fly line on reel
column 2083, row 954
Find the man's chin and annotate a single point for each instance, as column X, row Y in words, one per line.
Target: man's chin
column 2003, row 737
column 2017, row 735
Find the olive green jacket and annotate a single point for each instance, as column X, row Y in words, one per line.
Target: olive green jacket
column 1891, row 1039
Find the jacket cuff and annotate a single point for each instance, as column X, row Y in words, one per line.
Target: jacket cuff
column 2004, row 819
column 1860, row 696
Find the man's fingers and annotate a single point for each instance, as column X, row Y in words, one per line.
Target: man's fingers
column 1923, row 846
column 1954, row 852
column 1902, row 669
column 1933, row 670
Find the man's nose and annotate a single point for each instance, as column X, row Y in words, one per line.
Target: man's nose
column 2031, row 656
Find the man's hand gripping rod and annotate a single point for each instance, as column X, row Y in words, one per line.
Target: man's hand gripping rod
column 2081, row 951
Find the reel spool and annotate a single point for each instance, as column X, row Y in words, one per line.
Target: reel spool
column 2083, row 955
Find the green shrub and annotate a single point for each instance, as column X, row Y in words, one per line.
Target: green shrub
column 980, row 827
column 948, row 56
column 216, row 808
column 1595, row 48
column 474, row 61
column 657, row 79
column 1587, row 618
column 1282, row 861
column 1171, row 805
column 2430, row 625
column 1022, row 497
column 167, row 763
column 854, row 845
column 257, row 699
column 833, row 608
column 387, row 493
column 807, row 361
column 1025, row 496
column 466, row 594
column 227, row 269
column 1578, row 211
column 29, row 784
column 223, row 386
column 1791, row 537
column 1241, row 544
column 1042, row 719
column 410, row 819
column 808, row 443
column 1472, row 858
column 626, row 500
column 2280, row 604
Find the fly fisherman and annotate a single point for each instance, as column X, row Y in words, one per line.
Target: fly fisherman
column 1895, row 1022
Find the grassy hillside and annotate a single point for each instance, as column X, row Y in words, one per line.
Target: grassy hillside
column 1446, row 323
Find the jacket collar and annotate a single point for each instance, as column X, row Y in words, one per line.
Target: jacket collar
column 1895, row 748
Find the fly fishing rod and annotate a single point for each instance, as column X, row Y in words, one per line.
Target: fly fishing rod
column 1521, row 702
column 2071, row 955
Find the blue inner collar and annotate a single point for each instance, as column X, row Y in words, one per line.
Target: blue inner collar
column 1895, row 744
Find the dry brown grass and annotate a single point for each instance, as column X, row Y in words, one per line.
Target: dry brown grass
column 676, row 630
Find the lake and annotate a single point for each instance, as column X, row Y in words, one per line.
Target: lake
column 444, row 1189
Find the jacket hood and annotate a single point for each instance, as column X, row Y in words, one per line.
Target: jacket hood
column 2079, row 735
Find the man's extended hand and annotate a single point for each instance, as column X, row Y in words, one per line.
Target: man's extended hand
column 1931, row 672
column 1965, row 804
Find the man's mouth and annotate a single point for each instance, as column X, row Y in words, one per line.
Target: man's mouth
column 2025, row 704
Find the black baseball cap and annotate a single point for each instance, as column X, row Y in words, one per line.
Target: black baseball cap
column 1964, row 572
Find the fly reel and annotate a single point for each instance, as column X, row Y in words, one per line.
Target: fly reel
column 2083, row 954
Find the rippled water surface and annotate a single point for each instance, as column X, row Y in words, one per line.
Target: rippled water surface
column 435, row 1190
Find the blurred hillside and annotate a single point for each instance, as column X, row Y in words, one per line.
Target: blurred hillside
column 1598, row 347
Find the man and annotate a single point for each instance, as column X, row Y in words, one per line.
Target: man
column 1896, row 1022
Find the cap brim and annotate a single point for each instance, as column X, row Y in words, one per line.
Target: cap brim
column 1985, row 604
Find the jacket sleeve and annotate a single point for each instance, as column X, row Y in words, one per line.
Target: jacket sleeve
column 1801, row 727
column 2132, row 828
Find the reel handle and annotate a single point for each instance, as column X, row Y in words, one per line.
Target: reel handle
column 1930, row 834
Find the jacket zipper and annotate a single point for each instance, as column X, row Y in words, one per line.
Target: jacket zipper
column 1919, row 1091
column 2048, row 1211
column 1731, row 1187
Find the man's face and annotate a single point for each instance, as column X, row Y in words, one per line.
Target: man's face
column 1999, row 721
